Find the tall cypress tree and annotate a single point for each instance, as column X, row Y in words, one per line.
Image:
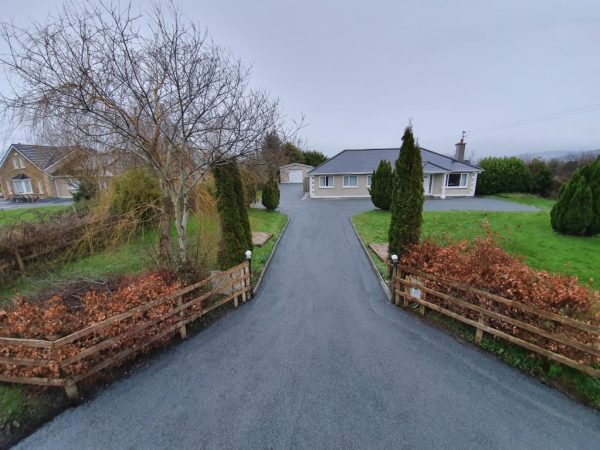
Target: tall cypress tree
column 381, row 186
column 236, row 236
column 407, row 196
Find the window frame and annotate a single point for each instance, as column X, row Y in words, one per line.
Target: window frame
column 26, row 182
column 322, row 186
column 460, row 186
column 369, row 180
column 347, row 186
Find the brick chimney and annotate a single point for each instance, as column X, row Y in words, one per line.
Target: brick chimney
column 459, row 154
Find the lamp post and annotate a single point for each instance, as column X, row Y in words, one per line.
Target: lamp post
column 249, row 259
column 393, row 279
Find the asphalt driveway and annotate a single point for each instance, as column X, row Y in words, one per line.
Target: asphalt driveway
column 320, row 359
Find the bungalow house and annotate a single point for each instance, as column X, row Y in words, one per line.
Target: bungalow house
column 33, row 172
column 348, row 174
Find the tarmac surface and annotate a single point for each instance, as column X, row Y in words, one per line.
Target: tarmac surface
column 320, row 359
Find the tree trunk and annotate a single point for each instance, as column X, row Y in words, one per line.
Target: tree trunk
column 181, row 222
column 164, row 246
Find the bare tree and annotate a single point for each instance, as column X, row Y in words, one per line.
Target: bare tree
column 158, row 88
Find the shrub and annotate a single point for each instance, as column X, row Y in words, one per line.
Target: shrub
column 577, row 211
column 592, row 174
column 86, row 191
column 407, row 196
column 484, row 265
column 60, row 315
column 270, row 195
column 236, row 236
column 503, row 175
column 136, row 192
column 381, row 186
column 541, row 177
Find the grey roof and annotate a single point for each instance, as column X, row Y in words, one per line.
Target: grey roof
column 367, row 160
column 43, row 156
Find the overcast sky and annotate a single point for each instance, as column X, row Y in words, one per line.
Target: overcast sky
column 359, row 71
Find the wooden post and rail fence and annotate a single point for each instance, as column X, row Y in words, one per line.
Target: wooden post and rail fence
column 494, row 314
column 175, row 312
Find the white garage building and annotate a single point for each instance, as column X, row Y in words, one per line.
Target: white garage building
column 294, row 173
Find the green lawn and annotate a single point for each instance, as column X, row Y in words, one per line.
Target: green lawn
column 527, row 234
column 36, row 214
column 136, row 256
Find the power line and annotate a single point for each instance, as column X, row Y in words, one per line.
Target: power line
column 541, row 118
column 531, row 120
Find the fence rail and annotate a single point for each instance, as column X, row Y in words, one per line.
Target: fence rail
column 185, row 304
column 429, row 291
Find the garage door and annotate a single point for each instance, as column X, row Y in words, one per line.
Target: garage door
column 296, row 176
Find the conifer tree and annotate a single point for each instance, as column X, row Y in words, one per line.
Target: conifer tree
column 381, row 186
column 573, row 213
column 593, row 178
column 236, row 236
column 270, row 195
column 407, row 196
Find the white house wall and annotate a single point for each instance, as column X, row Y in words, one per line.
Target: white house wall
column 437, row 187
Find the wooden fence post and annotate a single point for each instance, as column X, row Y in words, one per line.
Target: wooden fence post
column 479, row 331
column 233, row 288
column 20, row 262
column 71, row 390
column 421, row 305
column 243, row 284
column 182, row 329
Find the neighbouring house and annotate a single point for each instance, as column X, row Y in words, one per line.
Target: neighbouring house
column 33, row 172
column 294, row 173
column 37, row 172
column 348, row 174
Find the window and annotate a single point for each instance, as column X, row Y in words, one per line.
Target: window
column 350, row 181
column 457, row 180
column 21, row 163
column 22, row 186
column 369, row 180
column 40, row 187
column 15, row 162
column 326, row 181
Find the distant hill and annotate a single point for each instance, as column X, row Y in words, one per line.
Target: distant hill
column 563, row 155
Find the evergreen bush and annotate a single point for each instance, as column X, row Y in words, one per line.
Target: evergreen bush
column 407, row 197
column 270, row 195
column 503, row 175
column 541, row 177
column 573, row 213
column 381, row 186
column 236, row 236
